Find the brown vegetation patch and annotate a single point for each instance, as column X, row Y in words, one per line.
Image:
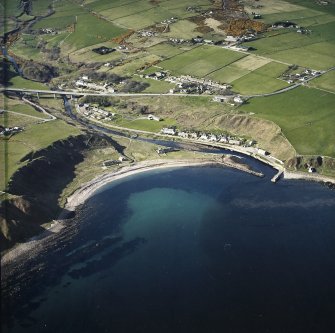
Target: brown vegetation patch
column 200, row 21
column 121, row 39
column 238, row 27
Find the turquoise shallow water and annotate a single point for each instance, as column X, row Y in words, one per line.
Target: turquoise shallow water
column 189, row 250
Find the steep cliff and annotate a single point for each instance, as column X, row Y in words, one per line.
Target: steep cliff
column 35, row 188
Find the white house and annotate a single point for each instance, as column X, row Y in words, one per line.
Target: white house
column 169, row 131
column 152, row 117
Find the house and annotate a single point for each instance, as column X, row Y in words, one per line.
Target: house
column 203, row 136
column 231, row 39
column 212, row 138
column 224, row 139
column 262, row 152
column 234, row 142
column 183, row 135
column 197, row 39
column 152, row 117
column 169, row 131
column 220, row 99
column 110, row 163
column 166, row 150
column 238, row 100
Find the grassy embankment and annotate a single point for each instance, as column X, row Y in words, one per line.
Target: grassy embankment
column 305, row 115
column 36, row 135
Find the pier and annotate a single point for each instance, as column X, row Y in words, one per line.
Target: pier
column 277, row 176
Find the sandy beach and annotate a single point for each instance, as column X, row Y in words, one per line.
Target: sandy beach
column 88, row 189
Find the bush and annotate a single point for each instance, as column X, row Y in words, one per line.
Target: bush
column 134, row 86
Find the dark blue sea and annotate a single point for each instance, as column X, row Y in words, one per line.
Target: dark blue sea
column 185, row 250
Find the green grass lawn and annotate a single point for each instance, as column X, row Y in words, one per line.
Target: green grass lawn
column 156, row 86
column 57, row 22
column 314, row 50
column 142, row 13
column 305, row 115
column 26, row 109
column 33, row 138
column 144, row 124
column 166, row 50
column 228, row 74
column 326, row 81
column 89, row 29
column 262, row 80
column 238, row 69
column 19, row 82
column 201, row 61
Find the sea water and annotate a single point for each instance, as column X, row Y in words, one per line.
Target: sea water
column 188, row 250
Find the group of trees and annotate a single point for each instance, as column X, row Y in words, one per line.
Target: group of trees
column 110, row 77
column 134, row 86
column 38, row 72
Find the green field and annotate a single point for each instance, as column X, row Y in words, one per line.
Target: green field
column 87, row 55
column 314, row 50
column 139, row 14
column 201, row 61
column 305, row 115
column 144, row 124
column 34, row 137
column 24, row 109
column 156, row 86
column 262, row 80
column 238, row 69
column 326, row 81
column 166, row 50
column 89, row 29
column 19, row 82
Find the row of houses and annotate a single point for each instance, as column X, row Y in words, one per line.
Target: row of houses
column 303, row 76
column 189, row 85
column 159, row 75
column 231, row 99
column 205, row 137
column 94, row 112
column 6, row 131
column 81, row 83
column 109, row 163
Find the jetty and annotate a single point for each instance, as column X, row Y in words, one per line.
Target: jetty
column 277, row 176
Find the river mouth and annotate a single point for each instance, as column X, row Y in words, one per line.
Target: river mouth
column 185, row 250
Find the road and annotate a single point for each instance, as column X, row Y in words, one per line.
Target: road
column 106, row 94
